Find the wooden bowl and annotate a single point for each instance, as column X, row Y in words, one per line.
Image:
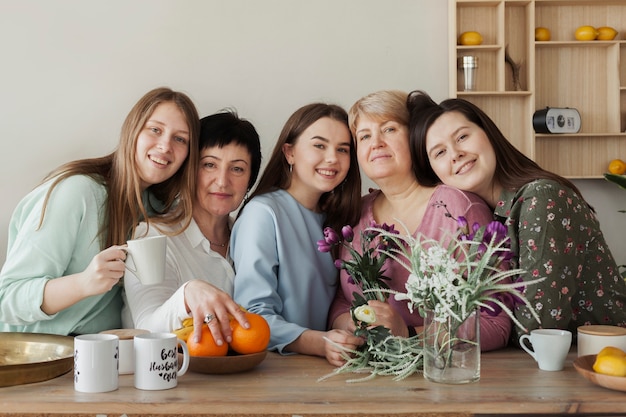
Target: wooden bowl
column 224, row 364
column 584, row 366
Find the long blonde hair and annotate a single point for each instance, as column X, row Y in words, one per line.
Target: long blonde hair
column 118, row 173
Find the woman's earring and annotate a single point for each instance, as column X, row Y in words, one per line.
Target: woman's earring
column 290, row 167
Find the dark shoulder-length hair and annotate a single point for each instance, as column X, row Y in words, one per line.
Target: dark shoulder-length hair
column 342, row 205
column 513, row 168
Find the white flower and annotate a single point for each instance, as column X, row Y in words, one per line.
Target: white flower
column 455, row 278
column 365, row 313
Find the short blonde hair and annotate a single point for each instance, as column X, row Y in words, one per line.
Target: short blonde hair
column 381, row 106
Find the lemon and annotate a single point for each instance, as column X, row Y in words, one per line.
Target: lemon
column 610, row 365
column 586, row 33
column 617, row 166
column 542, row 34
column 610, row 351
column 470, row 38
column 606, row 33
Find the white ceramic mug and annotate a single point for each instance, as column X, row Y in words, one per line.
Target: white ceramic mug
column 96, row 362
column 127, row 353
column 156, row 361
column 146, row 259
column 549, row 347
column 592, row 338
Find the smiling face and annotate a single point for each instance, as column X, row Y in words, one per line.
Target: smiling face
column 461, row 155
column 320, row 158
column 383, row 149
column 222, row 180
column 162, row 145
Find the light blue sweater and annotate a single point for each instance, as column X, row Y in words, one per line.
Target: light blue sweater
column 279, row 273
column 65, row 244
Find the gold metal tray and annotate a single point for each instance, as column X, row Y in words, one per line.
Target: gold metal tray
column 34, row 357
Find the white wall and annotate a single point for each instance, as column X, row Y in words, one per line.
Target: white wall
column 71, row 69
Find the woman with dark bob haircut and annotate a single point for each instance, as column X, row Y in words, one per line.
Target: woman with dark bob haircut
column 554, row 232
column 199, row 273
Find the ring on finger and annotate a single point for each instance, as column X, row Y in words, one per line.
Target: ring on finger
column 208, row 318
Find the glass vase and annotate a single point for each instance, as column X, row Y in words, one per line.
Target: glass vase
column 451, row 349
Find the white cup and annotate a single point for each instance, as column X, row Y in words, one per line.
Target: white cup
column 591, row 339
column 96, row 362
column 146, row 259
column 156, row 361
column 549, row 347
column 127, row 353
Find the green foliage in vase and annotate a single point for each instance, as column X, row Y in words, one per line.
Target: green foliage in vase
column 453, row 277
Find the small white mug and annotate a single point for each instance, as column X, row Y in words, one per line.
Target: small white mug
column 549, row 347
column 127, row 353
column 156, row 361
column 96, row 362
column 146, row 259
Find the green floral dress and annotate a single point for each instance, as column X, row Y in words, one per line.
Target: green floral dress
column 556, row 235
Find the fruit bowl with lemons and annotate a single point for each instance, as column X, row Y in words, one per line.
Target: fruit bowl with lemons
column 606, row 369
column 247, row 349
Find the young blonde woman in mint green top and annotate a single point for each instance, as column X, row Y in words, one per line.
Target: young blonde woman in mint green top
column 65, row 255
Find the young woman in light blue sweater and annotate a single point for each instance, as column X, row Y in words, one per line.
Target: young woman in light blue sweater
column 311, row 181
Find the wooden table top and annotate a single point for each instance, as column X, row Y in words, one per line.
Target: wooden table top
column 510, row 383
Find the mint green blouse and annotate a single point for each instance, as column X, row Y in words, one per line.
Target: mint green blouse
column 65, row 244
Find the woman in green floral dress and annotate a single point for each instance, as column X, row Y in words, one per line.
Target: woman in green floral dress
column 554, row 232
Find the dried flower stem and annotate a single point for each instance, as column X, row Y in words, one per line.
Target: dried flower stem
column 394, row 356
column 515, row 69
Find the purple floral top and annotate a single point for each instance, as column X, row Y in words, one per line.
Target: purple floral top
column 494, row 330
column 557, row 235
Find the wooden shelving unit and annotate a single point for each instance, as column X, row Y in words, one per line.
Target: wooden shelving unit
column 563, row 72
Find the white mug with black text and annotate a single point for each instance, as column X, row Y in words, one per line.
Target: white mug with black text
column 156, row 361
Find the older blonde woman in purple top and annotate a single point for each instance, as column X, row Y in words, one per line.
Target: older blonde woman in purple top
column 379, row 124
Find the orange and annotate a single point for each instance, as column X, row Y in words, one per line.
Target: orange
column 206, row 346
column 252, row 340
column 617, row 166
column 542, row 34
